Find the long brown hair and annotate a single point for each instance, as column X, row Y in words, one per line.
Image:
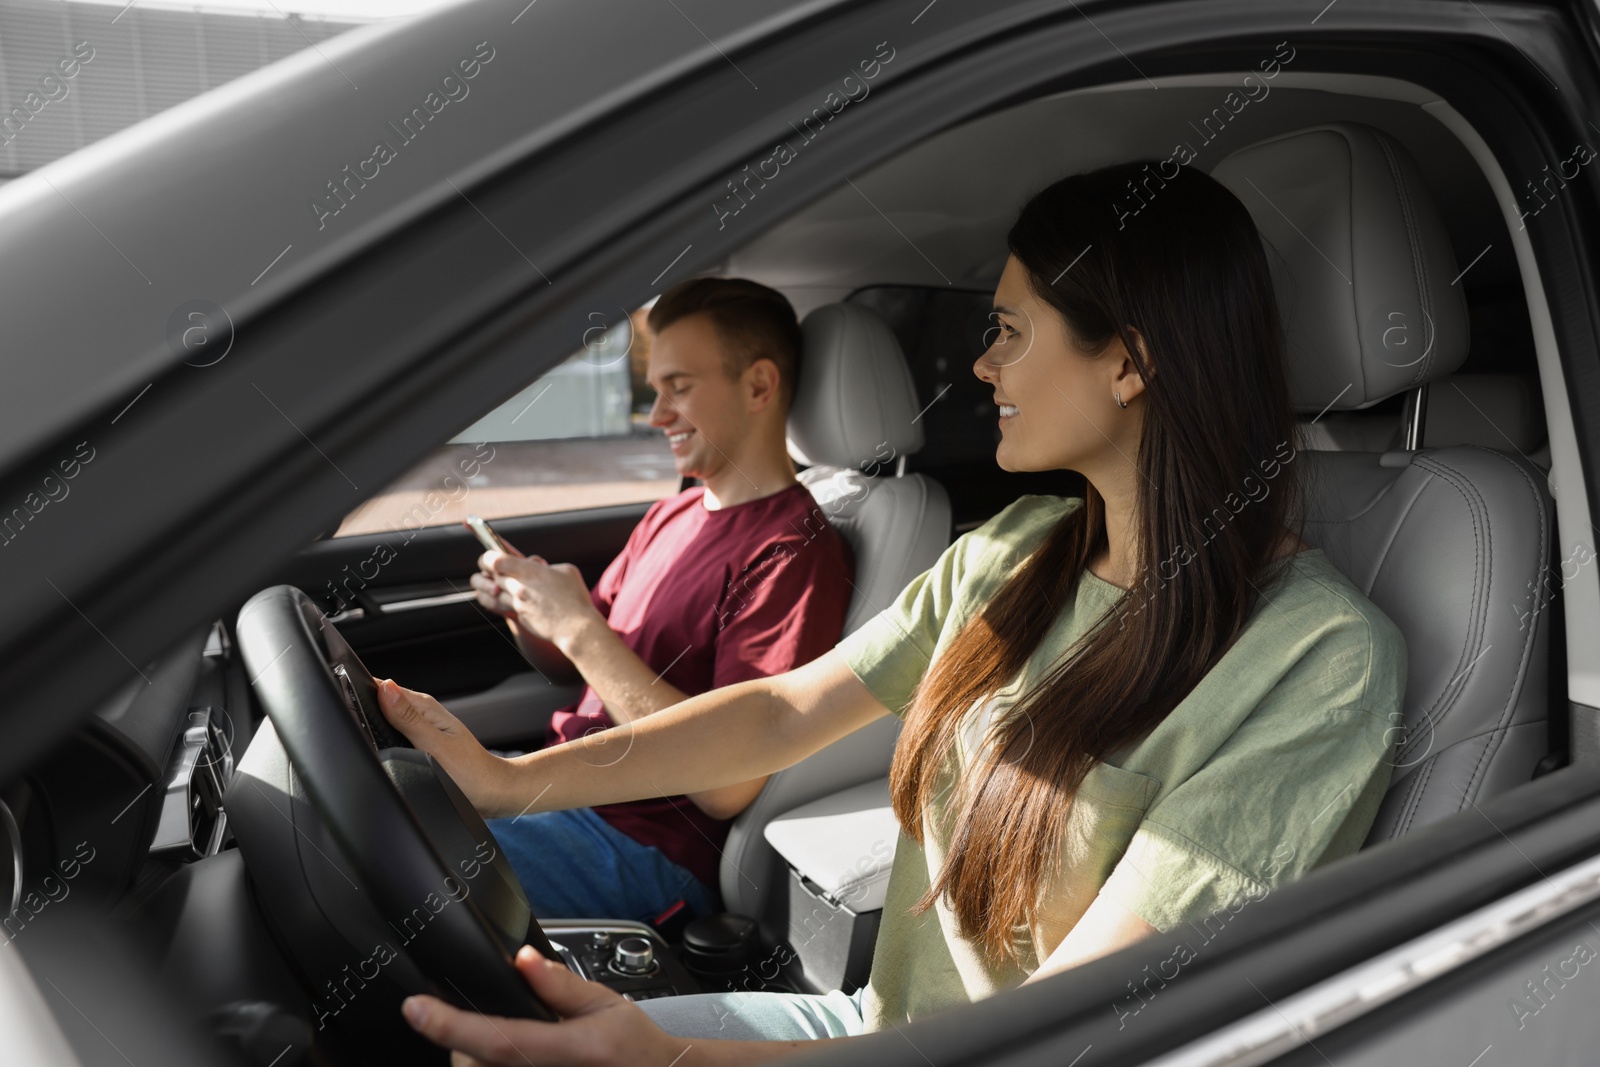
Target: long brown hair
column 1180, row 260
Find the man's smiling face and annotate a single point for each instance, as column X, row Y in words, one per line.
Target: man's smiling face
column 702, row 410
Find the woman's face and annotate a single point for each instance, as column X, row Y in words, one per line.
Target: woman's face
column 1056, row 404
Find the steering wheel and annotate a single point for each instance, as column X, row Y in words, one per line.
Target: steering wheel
column 408, row 832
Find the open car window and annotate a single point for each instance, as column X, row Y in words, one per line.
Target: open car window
column 576, row 437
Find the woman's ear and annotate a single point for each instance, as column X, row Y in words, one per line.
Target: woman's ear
column 1129, row 381
column 1144, row 353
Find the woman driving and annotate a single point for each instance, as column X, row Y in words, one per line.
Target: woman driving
column 1123, row 711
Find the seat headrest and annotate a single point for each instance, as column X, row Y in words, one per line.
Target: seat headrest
column 1361, row 262
column 854, row 401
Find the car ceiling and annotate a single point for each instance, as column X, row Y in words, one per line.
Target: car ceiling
column 937, row 214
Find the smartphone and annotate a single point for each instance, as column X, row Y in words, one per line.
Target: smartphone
column 490, row 540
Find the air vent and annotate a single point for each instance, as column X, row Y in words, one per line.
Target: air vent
column 192, row 819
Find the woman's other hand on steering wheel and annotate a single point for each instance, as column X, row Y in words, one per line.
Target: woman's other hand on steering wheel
column 429, row 726
column 598, row 1025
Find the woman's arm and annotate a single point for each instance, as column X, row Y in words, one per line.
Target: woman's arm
column 715, row 739
column 1105, row 927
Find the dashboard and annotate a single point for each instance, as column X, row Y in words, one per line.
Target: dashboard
column 135, row 792
column 120, row 835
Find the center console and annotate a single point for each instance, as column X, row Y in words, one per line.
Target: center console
column 629, row 957
column 718, row 953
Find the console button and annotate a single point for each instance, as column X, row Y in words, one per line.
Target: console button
column 634, row 955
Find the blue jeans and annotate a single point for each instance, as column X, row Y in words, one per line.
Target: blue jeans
column 751, row 1016
column 575, row 865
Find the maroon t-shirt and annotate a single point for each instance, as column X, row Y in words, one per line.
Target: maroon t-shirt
column 709, row 598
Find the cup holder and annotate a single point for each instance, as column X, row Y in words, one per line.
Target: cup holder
column 720, row 945
column 724, row 952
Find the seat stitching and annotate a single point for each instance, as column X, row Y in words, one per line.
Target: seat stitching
column 1408, row 812
column 1455, row 478
column 1393, row 828
column 1429, row 712
column 1408, row 798
column 1470, row 496
column 1383, row 553
column 1463, row 485
column 1491, row 743
column 1394, row 533
column 1510, row 704
column 1383, row 493
column 1494, row 737
column 1502, row 729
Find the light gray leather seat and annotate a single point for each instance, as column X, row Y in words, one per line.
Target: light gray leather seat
column 1502, row 411
column 853, row 419
column 1449, row 542
column 1496, row 410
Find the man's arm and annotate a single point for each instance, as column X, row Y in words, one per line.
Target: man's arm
column 630, row 690
column 545, row 657
column 778, row 618
column 627, row 685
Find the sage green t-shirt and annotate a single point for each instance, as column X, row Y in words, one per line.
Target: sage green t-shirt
column 1273, row 764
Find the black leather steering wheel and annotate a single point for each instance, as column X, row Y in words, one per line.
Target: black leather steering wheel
column 408, row 832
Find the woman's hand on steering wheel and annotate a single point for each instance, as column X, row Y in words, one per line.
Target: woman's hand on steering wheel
column 598, row 1026
column 429, row 726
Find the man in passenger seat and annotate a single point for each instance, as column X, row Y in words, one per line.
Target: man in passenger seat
column 736, row 578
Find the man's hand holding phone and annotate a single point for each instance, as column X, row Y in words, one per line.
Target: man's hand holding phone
column 549, row 600
column 492, row 592
column 489, row 537
column 491, row 595
column 548, row 604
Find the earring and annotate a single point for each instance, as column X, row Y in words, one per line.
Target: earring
column 1118, row 397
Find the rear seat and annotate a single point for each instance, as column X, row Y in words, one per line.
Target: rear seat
column 1499, row 411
